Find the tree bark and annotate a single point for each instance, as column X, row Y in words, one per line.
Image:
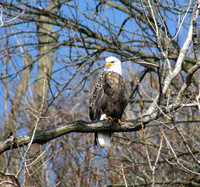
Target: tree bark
column 44, row 136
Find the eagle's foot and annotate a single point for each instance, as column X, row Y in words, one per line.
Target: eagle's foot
column 110, row 118
column 113, row 119
column 119, row 120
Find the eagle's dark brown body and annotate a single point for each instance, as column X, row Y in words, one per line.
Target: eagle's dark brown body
column 108, row 96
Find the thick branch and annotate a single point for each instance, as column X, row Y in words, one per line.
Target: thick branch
column 44, row 136
column 80, row 126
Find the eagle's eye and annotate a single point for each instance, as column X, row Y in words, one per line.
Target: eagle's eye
column 112, row 62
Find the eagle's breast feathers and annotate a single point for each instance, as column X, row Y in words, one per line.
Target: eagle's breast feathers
column 108, row 96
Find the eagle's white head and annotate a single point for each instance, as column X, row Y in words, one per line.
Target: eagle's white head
column 113, row 64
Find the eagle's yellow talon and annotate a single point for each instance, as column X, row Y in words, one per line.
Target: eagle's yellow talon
column 113, row 119
column 109, row 117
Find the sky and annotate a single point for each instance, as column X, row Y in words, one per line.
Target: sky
column 25, row 34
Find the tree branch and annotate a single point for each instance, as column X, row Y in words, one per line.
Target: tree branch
column 81, row 126
column 44, row 136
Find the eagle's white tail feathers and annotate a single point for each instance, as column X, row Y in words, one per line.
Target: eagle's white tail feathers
column 102, row 116
column 104, row 139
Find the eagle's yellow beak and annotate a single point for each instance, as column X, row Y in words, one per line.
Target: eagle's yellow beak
column 108, row 64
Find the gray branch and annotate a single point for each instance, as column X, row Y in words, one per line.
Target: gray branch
column 80, row 126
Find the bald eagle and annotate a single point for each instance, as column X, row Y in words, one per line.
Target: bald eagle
column 108, row 97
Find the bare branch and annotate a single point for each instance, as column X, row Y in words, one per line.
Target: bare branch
column 44, row 136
